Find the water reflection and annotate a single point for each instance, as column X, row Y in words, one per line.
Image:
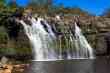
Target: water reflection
column 71, row 66
column 99, row 65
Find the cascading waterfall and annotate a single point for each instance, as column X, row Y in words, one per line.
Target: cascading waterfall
column 84, row 48
column 39, row 39
column 44, row 46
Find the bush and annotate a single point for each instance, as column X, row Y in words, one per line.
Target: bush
column 7, row 51
column 3, row 35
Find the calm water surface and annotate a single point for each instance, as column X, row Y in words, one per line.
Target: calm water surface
column 99, row 65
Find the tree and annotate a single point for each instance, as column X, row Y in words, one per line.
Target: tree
column 2, row 3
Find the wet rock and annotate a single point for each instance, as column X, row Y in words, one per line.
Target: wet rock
column 20, row 68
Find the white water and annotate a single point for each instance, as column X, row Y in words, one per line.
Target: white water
column 42, row 43
column 85, row 48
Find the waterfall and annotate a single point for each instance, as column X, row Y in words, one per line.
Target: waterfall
column 44, row 42
column 39, row 40
column 86, row 49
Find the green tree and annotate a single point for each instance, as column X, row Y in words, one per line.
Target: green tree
column 2, row 3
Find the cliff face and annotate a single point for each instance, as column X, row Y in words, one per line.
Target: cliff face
column 96, row 30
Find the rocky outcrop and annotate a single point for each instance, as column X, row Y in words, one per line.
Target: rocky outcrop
column 99, row 32
column 9, row 68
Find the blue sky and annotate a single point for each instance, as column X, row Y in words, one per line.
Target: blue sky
column 20, row 2
column 96, row 7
